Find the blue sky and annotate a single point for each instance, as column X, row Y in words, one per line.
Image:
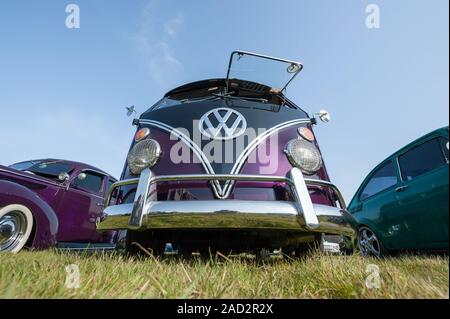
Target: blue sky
column 63, row 91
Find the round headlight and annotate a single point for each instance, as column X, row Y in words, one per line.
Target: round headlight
column 144, row 154
column 304, row 155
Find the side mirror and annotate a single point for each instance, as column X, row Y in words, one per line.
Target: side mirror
column 63, row 177
column 324, row 116
column 81, row 177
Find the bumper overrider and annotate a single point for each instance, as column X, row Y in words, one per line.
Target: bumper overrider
column 298, row 215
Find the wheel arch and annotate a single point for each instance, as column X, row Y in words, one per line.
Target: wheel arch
column 374, row 230
column 45, row 226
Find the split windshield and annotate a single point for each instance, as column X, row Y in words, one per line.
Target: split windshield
column 270, row 71
column 260, row 98
column 252, row 77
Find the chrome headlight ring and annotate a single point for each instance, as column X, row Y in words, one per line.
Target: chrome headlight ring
column 304, row 155
column 144, row 154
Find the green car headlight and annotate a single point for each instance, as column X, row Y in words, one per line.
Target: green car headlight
column 144, row 154
column 304, row 155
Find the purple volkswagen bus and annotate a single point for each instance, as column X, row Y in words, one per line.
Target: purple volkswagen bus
column 228, row 164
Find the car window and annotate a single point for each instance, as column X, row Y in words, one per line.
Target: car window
column 384, row 178
column 92, row 182
column 22, row 166
column 421, row 159
column 444, row 146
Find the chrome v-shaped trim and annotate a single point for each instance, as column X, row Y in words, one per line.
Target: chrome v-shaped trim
column 223, row 193
column 253, row 145
column 189, row 142
column 218, row 191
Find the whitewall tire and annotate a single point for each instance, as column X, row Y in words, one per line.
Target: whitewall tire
column 16, row 224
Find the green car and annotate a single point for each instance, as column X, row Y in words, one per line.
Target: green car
column 403, row 203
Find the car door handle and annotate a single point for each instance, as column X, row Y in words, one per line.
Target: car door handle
column 401, row 188
column 100, row 204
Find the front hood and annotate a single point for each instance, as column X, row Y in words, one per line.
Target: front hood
column 262, row 120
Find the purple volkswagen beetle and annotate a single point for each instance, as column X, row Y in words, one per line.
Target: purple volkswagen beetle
column 228, row 164
column 46, row 203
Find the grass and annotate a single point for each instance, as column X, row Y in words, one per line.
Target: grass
column 43, row 275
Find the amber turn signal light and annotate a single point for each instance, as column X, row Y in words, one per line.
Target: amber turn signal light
column 141, row 134
column 306, row 133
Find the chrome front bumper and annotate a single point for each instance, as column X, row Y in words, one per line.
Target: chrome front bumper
column 298, row 215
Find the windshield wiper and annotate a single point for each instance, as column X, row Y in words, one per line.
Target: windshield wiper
column 229, row 96
column 217, row 96
column 196, row 99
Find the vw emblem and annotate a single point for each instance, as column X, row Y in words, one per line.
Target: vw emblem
column 222, row 124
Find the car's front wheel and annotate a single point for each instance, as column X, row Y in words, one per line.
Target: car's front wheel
column 16, row 224
column 369, row 244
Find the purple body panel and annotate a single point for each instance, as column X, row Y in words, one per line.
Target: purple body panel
column 61, row 212
column 319, row 195
column 46, row 221
column 165, row 166
column 242, row 190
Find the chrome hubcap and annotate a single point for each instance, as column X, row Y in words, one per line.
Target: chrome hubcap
column 368, row 243
column 12, row 228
